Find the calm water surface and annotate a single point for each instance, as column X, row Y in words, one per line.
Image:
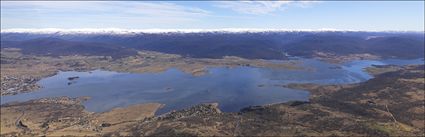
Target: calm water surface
column 232, row 88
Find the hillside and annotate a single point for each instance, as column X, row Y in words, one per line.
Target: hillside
column 251, row 45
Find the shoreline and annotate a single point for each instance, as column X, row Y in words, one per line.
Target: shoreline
column 344, row 106
column 146, row 61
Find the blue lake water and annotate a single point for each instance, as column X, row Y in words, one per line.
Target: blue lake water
column 232, row 88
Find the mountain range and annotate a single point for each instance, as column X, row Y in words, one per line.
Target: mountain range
column 256, row 44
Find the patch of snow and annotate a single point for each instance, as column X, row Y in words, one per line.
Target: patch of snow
column 153, row 31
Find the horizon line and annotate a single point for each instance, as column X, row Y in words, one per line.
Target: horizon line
column 157, row 30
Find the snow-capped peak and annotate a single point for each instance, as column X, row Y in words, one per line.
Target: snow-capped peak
column 135, row 31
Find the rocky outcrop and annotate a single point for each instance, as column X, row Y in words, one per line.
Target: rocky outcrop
column 198, row 110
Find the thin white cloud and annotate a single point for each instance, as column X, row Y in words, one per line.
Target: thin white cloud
column 163, row 9
column 261, row 7
column 305, row 4
column 152, row 8
column 141, row 12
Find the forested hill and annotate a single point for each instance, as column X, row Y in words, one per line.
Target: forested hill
column 252, row 45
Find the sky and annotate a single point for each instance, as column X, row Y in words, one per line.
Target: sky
column 340, row 15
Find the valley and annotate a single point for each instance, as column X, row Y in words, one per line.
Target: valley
column 212, row 83
column 353, row 109
column 284, row 68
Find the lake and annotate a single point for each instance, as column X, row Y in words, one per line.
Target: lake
column 233, row 88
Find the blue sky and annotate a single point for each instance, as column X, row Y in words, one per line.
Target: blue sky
column 360, row 15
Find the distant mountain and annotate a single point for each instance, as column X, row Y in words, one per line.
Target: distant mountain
column 216, row 44
column 396, row 47
column 386, row 46
column 58, row 47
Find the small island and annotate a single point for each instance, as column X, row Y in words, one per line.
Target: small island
column 73, row 78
